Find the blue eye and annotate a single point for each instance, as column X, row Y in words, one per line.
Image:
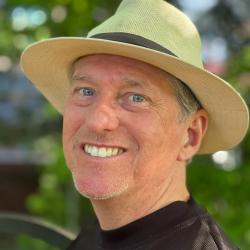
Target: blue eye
column 86, row 91
column 136, row 98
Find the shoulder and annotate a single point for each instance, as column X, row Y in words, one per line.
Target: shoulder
column 208, row 234
column 198, row 231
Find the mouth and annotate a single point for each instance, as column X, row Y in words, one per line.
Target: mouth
column 102, row 151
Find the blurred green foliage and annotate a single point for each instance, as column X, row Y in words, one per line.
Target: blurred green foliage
column 224, row 193
column 81, row 16
column 24, row 242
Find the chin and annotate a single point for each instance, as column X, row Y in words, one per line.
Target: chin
column 97, row 190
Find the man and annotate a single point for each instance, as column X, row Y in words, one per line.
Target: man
column 137, row 106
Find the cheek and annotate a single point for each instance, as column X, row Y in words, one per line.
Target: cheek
column 72, row 121
column 158, row 137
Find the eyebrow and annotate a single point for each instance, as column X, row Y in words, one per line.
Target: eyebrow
column 143, row 84
column 133, row 83
column 81, row 78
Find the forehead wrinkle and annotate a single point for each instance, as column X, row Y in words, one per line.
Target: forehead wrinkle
column 81, row 78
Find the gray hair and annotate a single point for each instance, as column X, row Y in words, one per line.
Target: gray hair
column 185, row 97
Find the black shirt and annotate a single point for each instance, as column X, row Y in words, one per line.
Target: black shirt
column 180, row 225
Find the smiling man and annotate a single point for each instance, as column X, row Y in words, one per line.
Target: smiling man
column 121, row 121
column 137, row 106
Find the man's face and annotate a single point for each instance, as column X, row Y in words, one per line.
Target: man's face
column 121, row 126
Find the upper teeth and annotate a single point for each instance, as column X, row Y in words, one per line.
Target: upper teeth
column 101, row 151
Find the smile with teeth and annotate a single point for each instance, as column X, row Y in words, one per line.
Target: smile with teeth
column 102, row 151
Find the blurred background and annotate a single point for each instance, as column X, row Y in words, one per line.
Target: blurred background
column 33, row 176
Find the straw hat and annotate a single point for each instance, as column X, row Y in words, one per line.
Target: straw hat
column 154, row 32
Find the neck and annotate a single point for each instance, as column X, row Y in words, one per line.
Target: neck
column 136, row 202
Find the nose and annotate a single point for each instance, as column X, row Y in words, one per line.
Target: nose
column 102, row 117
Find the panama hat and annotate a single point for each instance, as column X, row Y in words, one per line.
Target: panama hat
column 155, row 32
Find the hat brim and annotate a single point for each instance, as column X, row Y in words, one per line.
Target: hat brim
column 47, row 64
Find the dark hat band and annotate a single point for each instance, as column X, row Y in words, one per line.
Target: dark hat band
column 133, row 39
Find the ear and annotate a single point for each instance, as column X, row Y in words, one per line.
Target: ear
column 197, row 125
